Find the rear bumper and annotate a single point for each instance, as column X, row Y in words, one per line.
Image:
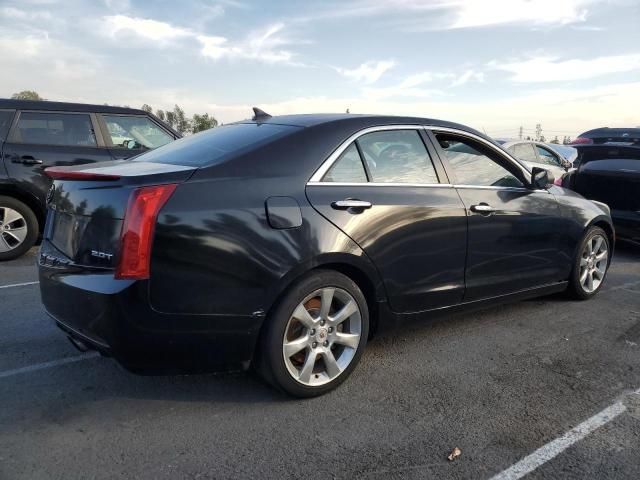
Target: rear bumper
column 115, row 318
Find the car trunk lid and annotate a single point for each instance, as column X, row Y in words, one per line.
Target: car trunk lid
column 87, row 206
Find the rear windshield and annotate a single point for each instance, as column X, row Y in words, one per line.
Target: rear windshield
column 214, row 145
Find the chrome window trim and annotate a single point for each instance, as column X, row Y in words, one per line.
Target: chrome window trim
column 316, row 178
column 377, row 184
column 328, row 163
column 509, row 189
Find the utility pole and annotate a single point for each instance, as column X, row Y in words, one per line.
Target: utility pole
column 538, row 131
column 520, row 133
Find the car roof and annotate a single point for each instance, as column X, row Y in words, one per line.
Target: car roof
column 360, row 120
column 610, row 132
column 65, row 106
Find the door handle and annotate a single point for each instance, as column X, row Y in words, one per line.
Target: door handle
column 483, row 208
column 26, row 159
column 350, row 203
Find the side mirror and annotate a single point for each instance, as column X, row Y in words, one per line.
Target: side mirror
column 540, row 177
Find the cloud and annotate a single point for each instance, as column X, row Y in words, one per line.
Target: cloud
column 466, row 77
column 411, row 86
column 145, row 28
column 552, row 69
column 266, row 45
column 368, row 72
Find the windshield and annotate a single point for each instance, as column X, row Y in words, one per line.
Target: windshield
column 212, row 146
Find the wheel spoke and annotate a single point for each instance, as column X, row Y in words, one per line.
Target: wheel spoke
column 293, row 347
column 303, row 316
column 333, row 369
column 590, row 281
column 349, row 309
column 325, row 302
column 583, row 276
column 599, row 272
column 19, row 234
column 350, row 340
column 10, row 216
column 583, row 262
column 598, row 244
column 4, row 246
column 307, row 368
column 602, row 256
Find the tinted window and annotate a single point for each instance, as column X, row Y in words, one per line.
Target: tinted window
column 55, row 129
column 6, row 117
column 547, row 157
column 137, row 133
column 472, row 165
column 212, row 146
column 524, row 151
column 397, row 156
column 347, row 168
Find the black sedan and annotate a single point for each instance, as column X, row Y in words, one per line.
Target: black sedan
column 610, row 173
column 284, row 243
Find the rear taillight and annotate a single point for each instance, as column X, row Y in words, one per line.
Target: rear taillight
column 137, row 231
column 581, row 141
column 61, row 173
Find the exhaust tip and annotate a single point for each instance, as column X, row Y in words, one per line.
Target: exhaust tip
column 80, row 345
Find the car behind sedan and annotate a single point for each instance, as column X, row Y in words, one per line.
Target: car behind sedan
column 283, row 243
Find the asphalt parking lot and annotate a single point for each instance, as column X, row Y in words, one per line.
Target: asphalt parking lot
column 547, row 386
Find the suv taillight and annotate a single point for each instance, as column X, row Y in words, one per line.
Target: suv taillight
column 581, row 141
column 137, row 231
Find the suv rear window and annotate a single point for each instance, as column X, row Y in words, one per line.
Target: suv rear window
column 212, row 146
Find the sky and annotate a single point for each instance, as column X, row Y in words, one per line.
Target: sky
column 496, row 65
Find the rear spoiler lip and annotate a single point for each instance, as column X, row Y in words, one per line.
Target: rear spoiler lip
column 64, row 173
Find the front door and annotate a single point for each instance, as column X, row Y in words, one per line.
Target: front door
column 514, row 232
column 385, row 192
column 45, row 139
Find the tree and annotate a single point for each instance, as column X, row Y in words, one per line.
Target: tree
column 542, row 139
column 182, row 123
column 147, row 108
column 555, row 140
column 160, row 114
column 26, row 95
column 203, row 122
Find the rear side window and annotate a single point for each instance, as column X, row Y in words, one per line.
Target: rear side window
column 547, row 157
column 135, row 133
column 397, row 156
column 72, row 129
column 214, row 145
column 347, row 168
column 6, row 116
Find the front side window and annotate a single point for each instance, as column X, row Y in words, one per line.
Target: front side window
column 72, row 129
column 547, row 157
column 347, row 168
column 397, row 156
column 472, row 164
column 138, row 133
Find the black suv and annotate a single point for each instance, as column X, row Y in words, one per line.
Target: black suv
column 35, row 135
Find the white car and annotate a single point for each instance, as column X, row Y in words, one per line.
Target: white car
column 538, row 154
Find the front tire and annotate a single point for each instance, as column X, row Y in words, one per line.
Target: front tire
column 590, row 265
column 18, row 228
column 315, row 336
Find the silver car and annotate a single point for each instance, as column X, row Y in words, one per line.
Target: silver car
column 538, row 154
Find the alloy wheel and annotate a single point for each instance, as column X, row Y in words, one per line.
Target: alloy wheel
column 593, row 263
column 322, row 336
column 13, row 229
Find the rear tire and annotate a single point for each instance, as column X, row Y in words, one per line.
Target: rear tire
column 315, row 336
column 590, row 265
column 18, row 228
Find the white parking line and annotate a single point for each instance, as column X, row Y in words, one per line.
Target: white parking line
column 19, row 284
column 552, row 449
column 53, row 363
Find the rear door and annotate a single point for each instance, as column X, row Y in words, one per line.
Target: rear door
column 41, row 139
column 383, row 189
column 514, row 232
column 130, row 135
